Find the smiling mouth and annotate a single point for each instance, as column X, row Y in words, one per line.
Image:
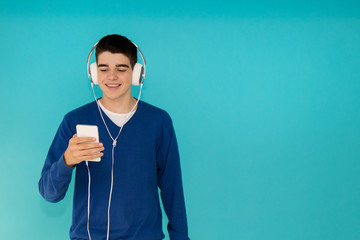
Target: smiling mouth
column 113, row 85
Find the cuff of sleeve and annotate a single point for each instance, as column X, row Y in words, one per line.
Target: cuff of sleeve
column 178, row 236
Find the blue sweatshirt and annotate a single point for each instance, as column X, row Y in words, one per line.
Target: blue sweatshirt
column 146, row 157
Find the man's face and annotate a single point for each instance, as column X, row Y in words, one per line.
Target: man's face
column 114, row 76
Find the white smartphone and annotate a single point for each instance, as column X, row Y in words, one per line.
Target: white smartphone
column 88, row 131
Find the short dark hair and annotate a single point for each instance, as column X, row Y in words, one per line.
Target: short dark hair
column 117, row 44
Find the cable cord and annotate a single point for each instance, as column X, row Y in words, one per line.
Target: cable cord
column 88, row 218
column 111, row 189
column 112, row 165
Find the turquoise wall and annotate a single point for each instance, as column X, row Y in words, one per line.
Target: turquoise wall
column 265, row 99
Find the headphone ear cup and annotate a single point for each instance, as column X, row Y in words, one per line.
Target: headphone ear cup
column 93, row 73
column 137, row 74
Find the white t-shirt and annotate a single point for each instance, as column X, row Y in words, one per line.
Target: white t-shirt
column 118, row 118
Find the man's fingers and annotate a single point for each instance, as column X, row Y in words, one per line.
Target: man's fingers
column 87, row 151
column 77, row 140
column 89, row 157
column 84, row 139
column 85, row 146
column 92, row 151
column 82, row 149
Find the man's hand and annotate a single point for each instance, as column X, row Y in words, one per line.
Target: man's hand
column 82, row 149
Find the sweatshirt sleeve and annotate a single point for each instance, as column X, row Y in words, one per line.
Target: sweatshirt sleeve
column 56, row 175
column 170, row 183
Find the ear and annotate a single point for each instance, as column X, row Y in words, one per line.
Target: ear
column 137, row 74
column 93, row 73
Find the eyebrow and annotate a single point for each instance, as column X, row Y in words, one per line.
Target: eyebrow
column 118, row 65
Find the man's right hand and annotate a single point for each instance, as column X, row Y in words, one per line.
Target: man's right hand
column 81, row 149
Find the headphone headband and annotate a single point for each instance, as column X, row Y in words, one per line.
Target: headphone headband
column 92, row 50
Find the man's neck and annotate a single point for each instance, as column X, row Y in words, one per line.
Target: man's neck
column 119, row 106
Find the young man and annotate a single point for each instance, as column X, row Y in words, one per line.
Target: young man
column 122, row 201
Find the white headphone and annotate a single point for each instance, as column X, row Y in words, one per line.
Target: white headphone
column 139, row 71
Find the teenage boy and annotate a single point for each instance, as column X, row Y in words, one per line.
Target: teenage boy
column 122, row 201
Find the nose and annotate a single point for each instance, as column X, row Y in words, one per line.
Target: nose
column 112, row 75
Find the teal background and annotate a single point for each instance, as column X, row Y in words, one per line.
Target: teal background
column 264, row 96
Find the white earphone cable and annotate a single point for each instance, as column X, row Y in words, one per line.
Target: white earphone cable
column 87, row 225
column 112, row 166
column 111, row 189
